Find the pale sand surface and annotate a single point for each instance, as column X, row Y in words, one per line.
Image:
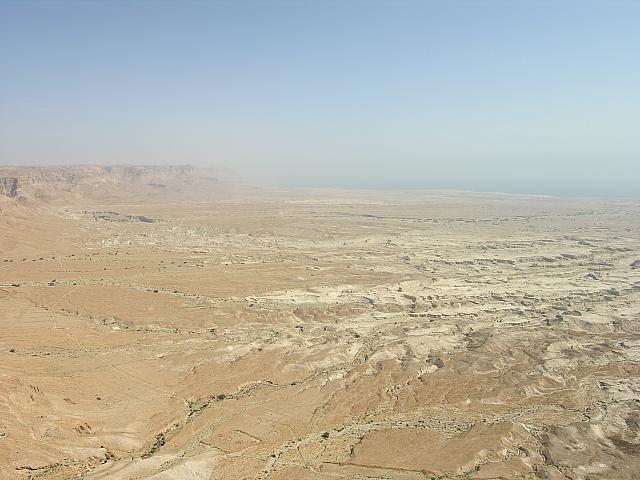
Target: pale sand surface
column 309, row 335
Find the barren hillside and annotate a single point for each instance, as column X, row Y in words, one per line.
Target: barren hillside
column 307, row 335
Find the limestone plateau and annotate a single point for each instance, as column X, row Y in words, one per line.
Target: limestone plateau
column 171, row 323
column 66, row 184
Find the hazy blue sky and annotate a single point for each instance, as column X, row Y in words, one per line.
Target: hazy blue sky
column 513, row 96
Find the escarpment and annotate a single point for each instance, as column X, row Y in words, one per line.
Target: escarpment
column 69, row 184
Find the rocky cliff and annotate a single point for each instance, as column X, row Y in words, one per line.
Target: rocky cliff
column 68, row 183
column 9, row 187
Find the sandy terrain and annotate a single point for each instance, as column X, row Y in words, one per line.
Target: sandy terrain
column 309, row 335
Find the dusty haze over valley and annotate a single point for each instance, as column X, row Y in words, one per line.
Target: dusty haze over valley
column 169, row 323
column 319, row 240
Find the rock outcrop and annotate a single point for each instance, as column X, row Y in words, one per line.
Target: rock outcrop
column 9, row 187
column 64, row 184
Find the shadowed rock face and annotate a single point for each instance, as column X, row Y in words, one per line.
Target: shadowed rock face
column 9, row 187
column 303, row 335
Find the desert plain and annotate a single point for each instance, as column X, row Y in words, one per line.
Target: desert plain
column 157, row 326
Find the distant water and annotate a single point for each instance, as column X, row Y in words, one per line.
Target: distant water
column 592, row 188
